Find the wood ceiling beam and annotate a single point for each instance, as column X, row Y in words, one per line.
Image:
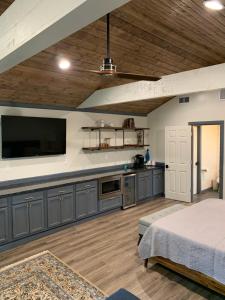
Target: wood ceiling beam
column 28, row 27
column 184, row 83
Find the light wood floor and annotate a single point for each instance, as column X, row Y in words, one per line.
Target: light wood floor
column 104, row 251
column 205, row 194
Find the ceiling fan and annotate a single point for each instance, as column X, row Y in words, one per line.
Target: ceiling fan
column 109, row 69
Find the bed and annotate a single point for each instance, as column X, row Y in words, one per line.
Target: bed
column 191, row 242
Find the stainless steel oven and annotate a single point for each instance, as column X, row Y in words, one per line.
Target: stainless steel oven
column 110, row 187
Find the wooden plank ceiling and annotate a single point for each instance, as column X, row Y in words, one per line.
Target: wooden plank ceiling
column 148, row 36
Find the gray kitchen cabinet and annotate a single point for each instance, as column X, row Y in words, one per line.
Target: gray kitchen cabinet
column 20, row 215
column 145, row 185
column 36, row 216
column 28, row 214
column 81, row 204
column 4, row 225
column 86, row 200
column 54, row 218
column 60, row 206
column 92, row 201
column 158, row 182
column 67, row 208
column 149, row 185
column 141, row 182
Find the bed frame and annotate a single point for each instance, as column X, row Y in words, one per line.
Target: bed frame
column 191, row 274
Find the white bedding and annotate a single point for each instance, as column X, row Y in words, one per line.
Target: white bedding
column 193, row 237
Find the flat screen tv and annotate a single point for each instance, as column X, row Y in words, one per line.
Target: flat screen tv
column 31, row 136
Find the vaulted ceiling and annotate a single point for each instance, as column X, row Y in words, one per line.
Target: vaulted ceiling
column 147, row 36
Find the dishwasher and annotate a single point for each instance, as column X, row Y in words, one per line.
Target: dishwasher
column 129, row 190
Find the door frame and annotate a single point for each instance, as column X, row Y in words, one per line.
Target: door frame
column 221, row 172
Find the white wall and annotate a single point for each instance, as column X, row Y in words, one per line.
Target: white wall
column 204, row 106
column 210, row 141
column 75, row 158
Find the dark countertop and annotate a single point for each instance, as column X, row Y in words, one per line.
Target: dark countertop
column 51, row 184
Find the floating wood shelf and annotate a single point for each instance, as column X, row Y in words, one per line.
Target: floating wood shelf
column 114, row 148
column 114, row 128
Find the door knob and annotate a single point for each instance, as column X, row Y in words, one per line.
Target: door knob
column 167, row 166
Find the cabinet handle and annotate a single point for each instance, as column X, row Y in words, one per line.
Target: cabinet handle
column 29, row 198
column 62, row 192
column 87, row 186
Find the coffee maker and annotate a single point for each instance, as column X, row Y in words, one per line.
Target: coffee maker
column 139, row 161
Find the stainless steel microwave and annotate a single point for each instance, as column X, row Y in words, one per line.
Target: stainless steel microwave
column 110, row 187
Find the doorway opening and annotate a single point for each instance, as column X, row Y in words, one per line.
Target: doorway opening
column 207, row 160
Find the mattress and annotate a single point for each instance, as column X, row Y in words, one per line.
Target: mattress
column 193, row 237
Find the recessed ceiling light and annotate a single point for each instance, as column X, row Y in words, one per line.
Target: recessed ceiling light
column 64, row 64
column 213, row 4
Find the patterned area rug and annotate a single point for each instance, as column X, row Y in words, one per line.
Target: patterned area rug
column 45, row 277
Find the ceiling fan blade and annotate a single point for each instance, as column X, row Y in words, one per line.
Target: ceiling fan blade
column 114, row 74
column 87, row 71
column 135, row 76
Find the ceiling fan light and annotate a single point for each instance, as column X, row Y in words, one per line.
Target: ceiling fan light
column 64, row 64
column 213, row 4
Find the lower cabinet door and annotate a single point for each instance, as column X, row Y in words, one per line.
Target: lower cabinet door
column 36, row 216
column 81, row 204
column 67, row 208
column 54, row 211
column 92, row 201
column 20, row 215
column 158, row 184
column 141, row 188
column 149, row 185
column 4, row 225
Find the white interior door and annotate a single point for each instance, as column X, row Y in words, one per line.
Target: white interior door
column 178, row 163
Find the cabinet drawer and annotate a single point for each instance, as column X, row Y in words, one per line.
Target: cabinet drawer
column 27, row 197
column 111, row 203
column 3, row 202
column 142, row 174
column 157, row 172
column 145, row 173
column 148, row 173
column 86, row 185
column 60, row 191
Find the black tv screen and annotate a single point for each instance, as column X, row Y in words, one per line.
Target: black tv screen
column 30, row 136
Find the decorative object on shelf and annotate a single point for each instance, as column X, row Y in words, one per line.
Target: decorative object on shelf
column 100, row 123
column 140, row 138
column 147, row 156
column 129, row 123
column 103, row 146
column 109, row 124
column 107, row 142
